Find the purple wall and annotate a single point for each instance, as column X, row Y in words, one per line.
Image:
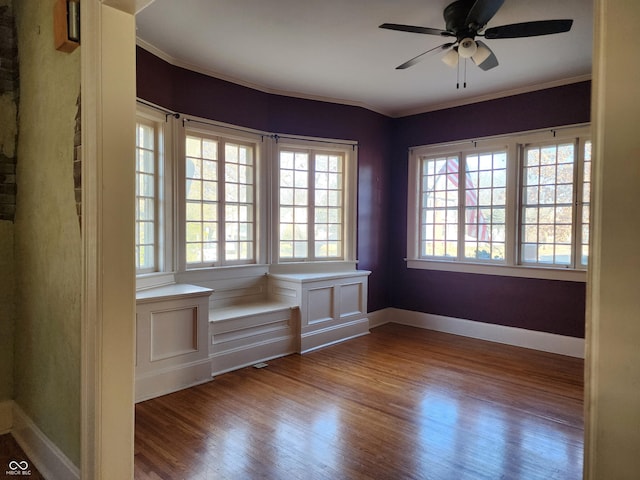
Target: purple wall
column 196, row 94
column 543, row 305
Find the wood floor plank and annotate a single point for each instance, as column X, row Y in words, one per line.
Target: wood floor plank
column 400, row 403
column 14, row 463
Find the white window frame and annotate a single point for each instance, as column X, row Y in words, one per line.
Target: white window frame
column 164, row 261
column 584, row 199
column 513, row 143
column 349, row 151
column 221, row 133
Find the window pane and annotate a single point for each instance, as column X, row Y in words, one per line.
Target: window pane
column 145, row 136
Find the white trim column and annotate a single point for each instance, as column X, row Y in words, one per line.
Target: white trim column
column 612, row 395
column 108, row 301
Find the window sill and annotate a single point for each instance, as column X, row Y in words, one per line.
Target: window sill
column 221, row 273
column 569, row 275
column 325, row 266
column 153, row 280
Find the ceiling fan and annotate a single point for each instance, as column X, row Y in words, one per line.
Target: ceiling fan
column 465, row 20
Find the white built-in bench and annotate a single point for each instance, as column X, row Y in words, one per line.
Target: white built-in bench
column 232, row 322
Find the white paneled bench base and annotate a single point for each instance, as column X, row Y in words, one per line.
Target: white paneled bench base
column 333, row 305
column 171, row 339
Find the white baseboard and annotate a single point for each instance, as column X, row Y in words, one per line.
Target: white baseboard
column 45, row 455
column 6, row 417
column 161, row 382
column 543, row 341
column 324, row 337
column 379, row 317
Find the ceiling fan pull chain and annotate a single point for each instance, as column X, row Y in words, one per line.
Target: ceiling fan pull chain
column 465, row 73
column 458, row 76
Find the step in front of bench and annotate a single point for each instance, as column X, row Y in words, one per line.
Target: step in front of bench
column 247, row 310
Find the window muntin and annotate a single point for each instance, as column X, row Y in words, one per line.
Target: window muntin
column 481, row 203
column 547, row 204
column 146, row 226
column 311, row 189
column 219, row 201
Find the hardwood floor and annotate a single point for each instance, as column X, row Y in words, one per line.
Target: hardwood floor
column 14, row 463
column 400, row 403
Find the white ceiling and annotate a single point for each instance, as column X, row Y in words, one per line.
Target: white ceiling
column 333, row 49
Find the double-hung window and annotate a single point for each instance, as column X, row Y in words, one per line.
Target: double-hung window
column 149, row 175
column 585, row 202
column 463, row 206
column 547, row 203
column 555, row 203
column 220, row 200
column 315, row 198
column 512, row 203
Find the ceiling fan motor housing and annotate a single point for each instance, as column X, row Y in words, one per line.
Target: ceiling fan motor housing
column 455, row 17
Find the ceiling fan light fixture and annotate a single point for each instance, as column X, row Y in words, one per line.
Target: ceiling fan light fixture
column 467, row 48
column 482, row 53
column 451, row 58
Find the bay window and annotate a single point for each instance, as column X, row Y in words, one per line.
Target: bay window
column 211, row 196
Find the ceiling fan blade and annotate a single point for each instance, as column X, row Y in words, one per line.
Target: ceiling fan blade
column 528, row 29
column 414, row 29
column 482, row 11
column 420, row 57
column 484, row 57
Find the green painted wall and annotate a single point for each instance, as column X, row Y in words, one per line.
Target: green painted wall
column 7, row 310
column 47, row 233
column 8, row 131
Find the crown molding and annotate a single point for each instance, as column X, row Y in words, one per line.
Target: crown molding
column 493, row 96
column 389, row 113
column 176, row 62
